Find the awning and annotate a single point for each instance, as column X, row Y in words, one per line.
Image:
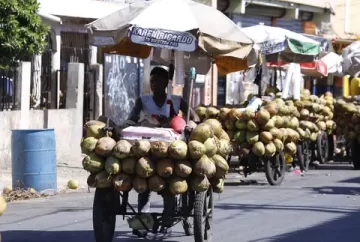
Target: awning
column 49, row 17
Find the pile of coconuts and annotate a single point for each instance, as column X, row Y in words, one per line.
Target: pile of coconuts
column 157, row 166
column 347, row 118
column 277, row 126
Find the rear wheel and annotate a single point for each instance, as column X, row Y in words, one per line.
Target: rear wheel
column 304, row 154
column 106, row 203
column 275, row 168
column 203, row 214
column 322, row 147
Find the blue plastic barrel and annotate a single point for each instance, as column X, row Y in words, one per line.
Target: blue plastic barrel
column 33, row 154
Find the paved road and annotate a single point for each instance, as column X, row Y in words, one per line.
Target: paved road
column 321, row 206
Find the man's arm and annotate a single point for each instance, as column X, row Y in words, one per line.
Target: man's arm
column 184, row 108
column 135, row 112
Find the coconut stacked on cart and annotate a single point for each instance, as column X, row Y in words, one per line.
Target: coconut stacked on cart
column 157, row 163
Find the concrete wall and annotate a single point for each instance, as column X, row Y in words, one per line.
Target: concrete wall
column 346, row 21
column 67, row 123
column 62, row 120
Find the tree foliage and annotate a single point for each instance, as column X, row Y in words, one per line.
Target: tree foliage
column 22, row 33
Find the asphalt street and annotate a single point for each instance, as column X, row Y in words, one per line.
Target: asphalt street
column 320, row 206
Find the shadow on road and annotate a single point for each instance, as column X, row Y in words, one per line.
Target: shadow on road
column 336, row 190
column 345, row 228
column 335, row 166
column 73, row 236
column 351, row 180
column 248, row 208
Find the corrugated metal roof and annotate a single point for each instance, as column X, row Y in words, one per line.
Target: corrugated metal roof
column 80, row 8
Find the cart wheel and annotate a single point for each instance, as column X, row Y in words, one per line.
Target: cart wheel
column 275, row 169
column 322, row 147
column 203, row 213
column 106, row 202
column 304, row 154
column 355, row 155
column 187, row 206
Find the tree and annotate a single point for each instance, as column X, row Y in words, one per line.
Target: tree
column 22, row 33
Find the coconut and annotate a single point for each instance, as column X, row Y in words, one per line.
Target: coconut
column 313, row 136
column 200, row 184
column 178, row 185
column 178, row 150
column 112, row 165
column 304, row 113
column 104, row 146
column 93, row 163
column 94, row 129
column 201, row 112
column 224, row 136
column 123, row 182
column 211, row 147
column 278, row 145
column 252, row 126
column 141, row 148
column 156, row 183
column 204, row 167
column 279, row 121
column 229, row 124
column 159, row 149
column 290, row 148
column 266, row 137
column 276, row 133
column 145, row 167
column 321, row 125
column 3, row 205
column 196, row 149
column 103, row 180
column 240, row 124
column 252, row 137
column 217, row 185
column 294, row 123
column 269, row 125
column 270, row 149
column 224, row 147
column 164, row 167
column 262, row 117
column 7, row 190
column 128, row 165
column 258, row 149
column 212, row 112
column 183, row 168
column 88, row 145
column 215, row 125
column 73, row 184
column 140, row 184
column 235, row 114
column 271, row 108
column 91, row 180
column 224, row 112
column 247, row 115
column 122, row 149
column 221, row 165
column 240, row 136
column 202, row 132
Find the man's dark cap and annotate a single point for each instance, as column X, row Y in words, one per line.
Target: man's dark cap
column 159, row 71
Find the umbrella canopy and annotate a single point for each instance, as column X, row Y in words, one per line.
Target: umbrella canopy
column 351, row 59
column 330, row 63
column 181, row 25
column 277, row 43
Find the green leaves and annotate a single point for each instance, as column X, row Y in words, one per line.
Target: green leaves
column 22, row 33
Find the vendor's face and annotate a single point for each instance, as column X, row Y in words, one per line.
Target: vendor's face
column 158, row 84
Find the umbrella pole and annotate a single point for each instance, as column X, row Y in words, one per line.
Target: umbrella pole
column 192, row 76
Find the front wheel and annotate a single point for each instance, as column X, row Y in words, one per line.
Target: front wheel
column 275, row 168
column 106, row 202
column 303, row 153
column 322, row 148
column 203, row 214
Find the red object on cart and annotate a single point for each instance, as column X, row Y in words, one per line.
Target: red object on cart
column 177, row 123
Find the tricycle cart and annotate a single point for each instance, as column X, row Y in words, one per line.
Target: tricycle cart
column 195, row 206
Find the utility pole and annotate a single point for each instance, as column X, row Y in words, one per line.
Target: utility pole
column 214, row 72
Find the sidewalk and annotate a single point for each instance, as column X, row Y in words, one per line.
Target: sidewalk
column 65, row 172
